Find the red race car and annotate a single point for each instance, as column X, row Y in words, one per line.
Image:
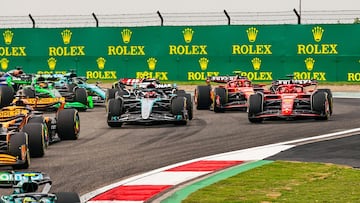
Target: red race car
column 291, row 99
column 232, row 95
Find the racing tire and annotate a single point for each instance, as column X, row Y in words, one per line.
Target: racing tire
column 115, row 108
column 67, row 197
column 16, row 141
column 329, row 98
column 178, row 92
column 71, row 87
column 110, row 93
column 202, row 97
column 29, row 93
column 6, row 96
column 68, row 124
column 36, row 135
column 319, row 105
column 177, row 108
column 189, row 103
column 80, row 95
column 255, row 107
column 221, row 92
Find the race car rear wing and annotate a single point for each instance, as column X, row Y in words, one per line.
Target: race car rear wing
column 143, row 83
column 224, row 78
column 9, row 179
column 298, row 82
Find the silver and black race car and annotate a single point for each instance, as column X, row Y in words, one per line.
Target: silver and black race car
column 151, row 104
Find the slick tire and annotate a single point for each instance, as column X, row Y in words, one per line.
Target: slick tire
column 202, row 97
column 6, row 96
column 36, row 135
column 29, row 93
column 319, row 105
column 189, row 103
column 177, row 108
column 68, row 124
column 16, row 141
column 67, row 197
column 80, row 95
column 329, row 98
column 221, row 93
column 255, row 107
column 115, row 108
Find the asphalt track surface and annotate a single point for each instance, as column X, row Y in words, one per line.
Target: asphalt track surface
column 104, row 155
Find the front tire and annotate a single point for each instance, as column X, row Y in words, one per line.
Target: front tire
column 67, row 197
column 255, row 107
column 18, row 140
column 115, row 109
column 36, row 135
column 68, row 124
column 221, row 93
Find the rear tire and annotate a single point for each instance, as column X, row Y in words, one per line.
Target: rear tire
column 68, row 124
column 6, row 96
column 202, row 97
column 255, row 107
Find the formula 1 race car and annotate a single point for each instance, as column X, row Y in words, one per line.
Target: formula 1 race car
column 161, row 103
column 42, row 95
column 291, row 99
column 26, row 188
column 25, row 132
column 71, row 80
column 233, row 95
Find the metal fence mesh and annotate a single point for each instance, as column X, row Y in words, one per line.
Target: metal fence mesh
column 181, row 19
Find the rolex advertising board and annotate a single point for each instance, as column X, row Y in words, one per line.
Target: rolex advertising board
column 187, row 53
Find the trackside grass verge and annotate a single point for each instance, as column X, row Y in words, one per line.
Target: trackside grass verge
column 283, row 181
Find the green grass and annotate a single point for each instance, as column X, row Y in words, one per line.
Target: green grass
column 282, row 181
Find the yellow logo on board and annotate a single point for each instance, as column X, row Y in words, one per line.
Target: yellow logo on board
column 66, row 36
column 309, row 63
column 203, row 63
column 126, row 35
column 317, row 33
column 252, row 34
column 188, row 34
column 101, row 63
column 151, row 63
column 256, row 62
column 4, row 62
column 51, row 63
column 8, row 36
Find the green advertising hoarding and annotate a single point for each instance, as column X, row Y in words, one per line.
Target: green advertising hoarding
column 188, row 53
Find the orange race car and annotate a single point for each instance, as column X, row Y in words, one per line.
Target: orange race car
column 26, row 133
